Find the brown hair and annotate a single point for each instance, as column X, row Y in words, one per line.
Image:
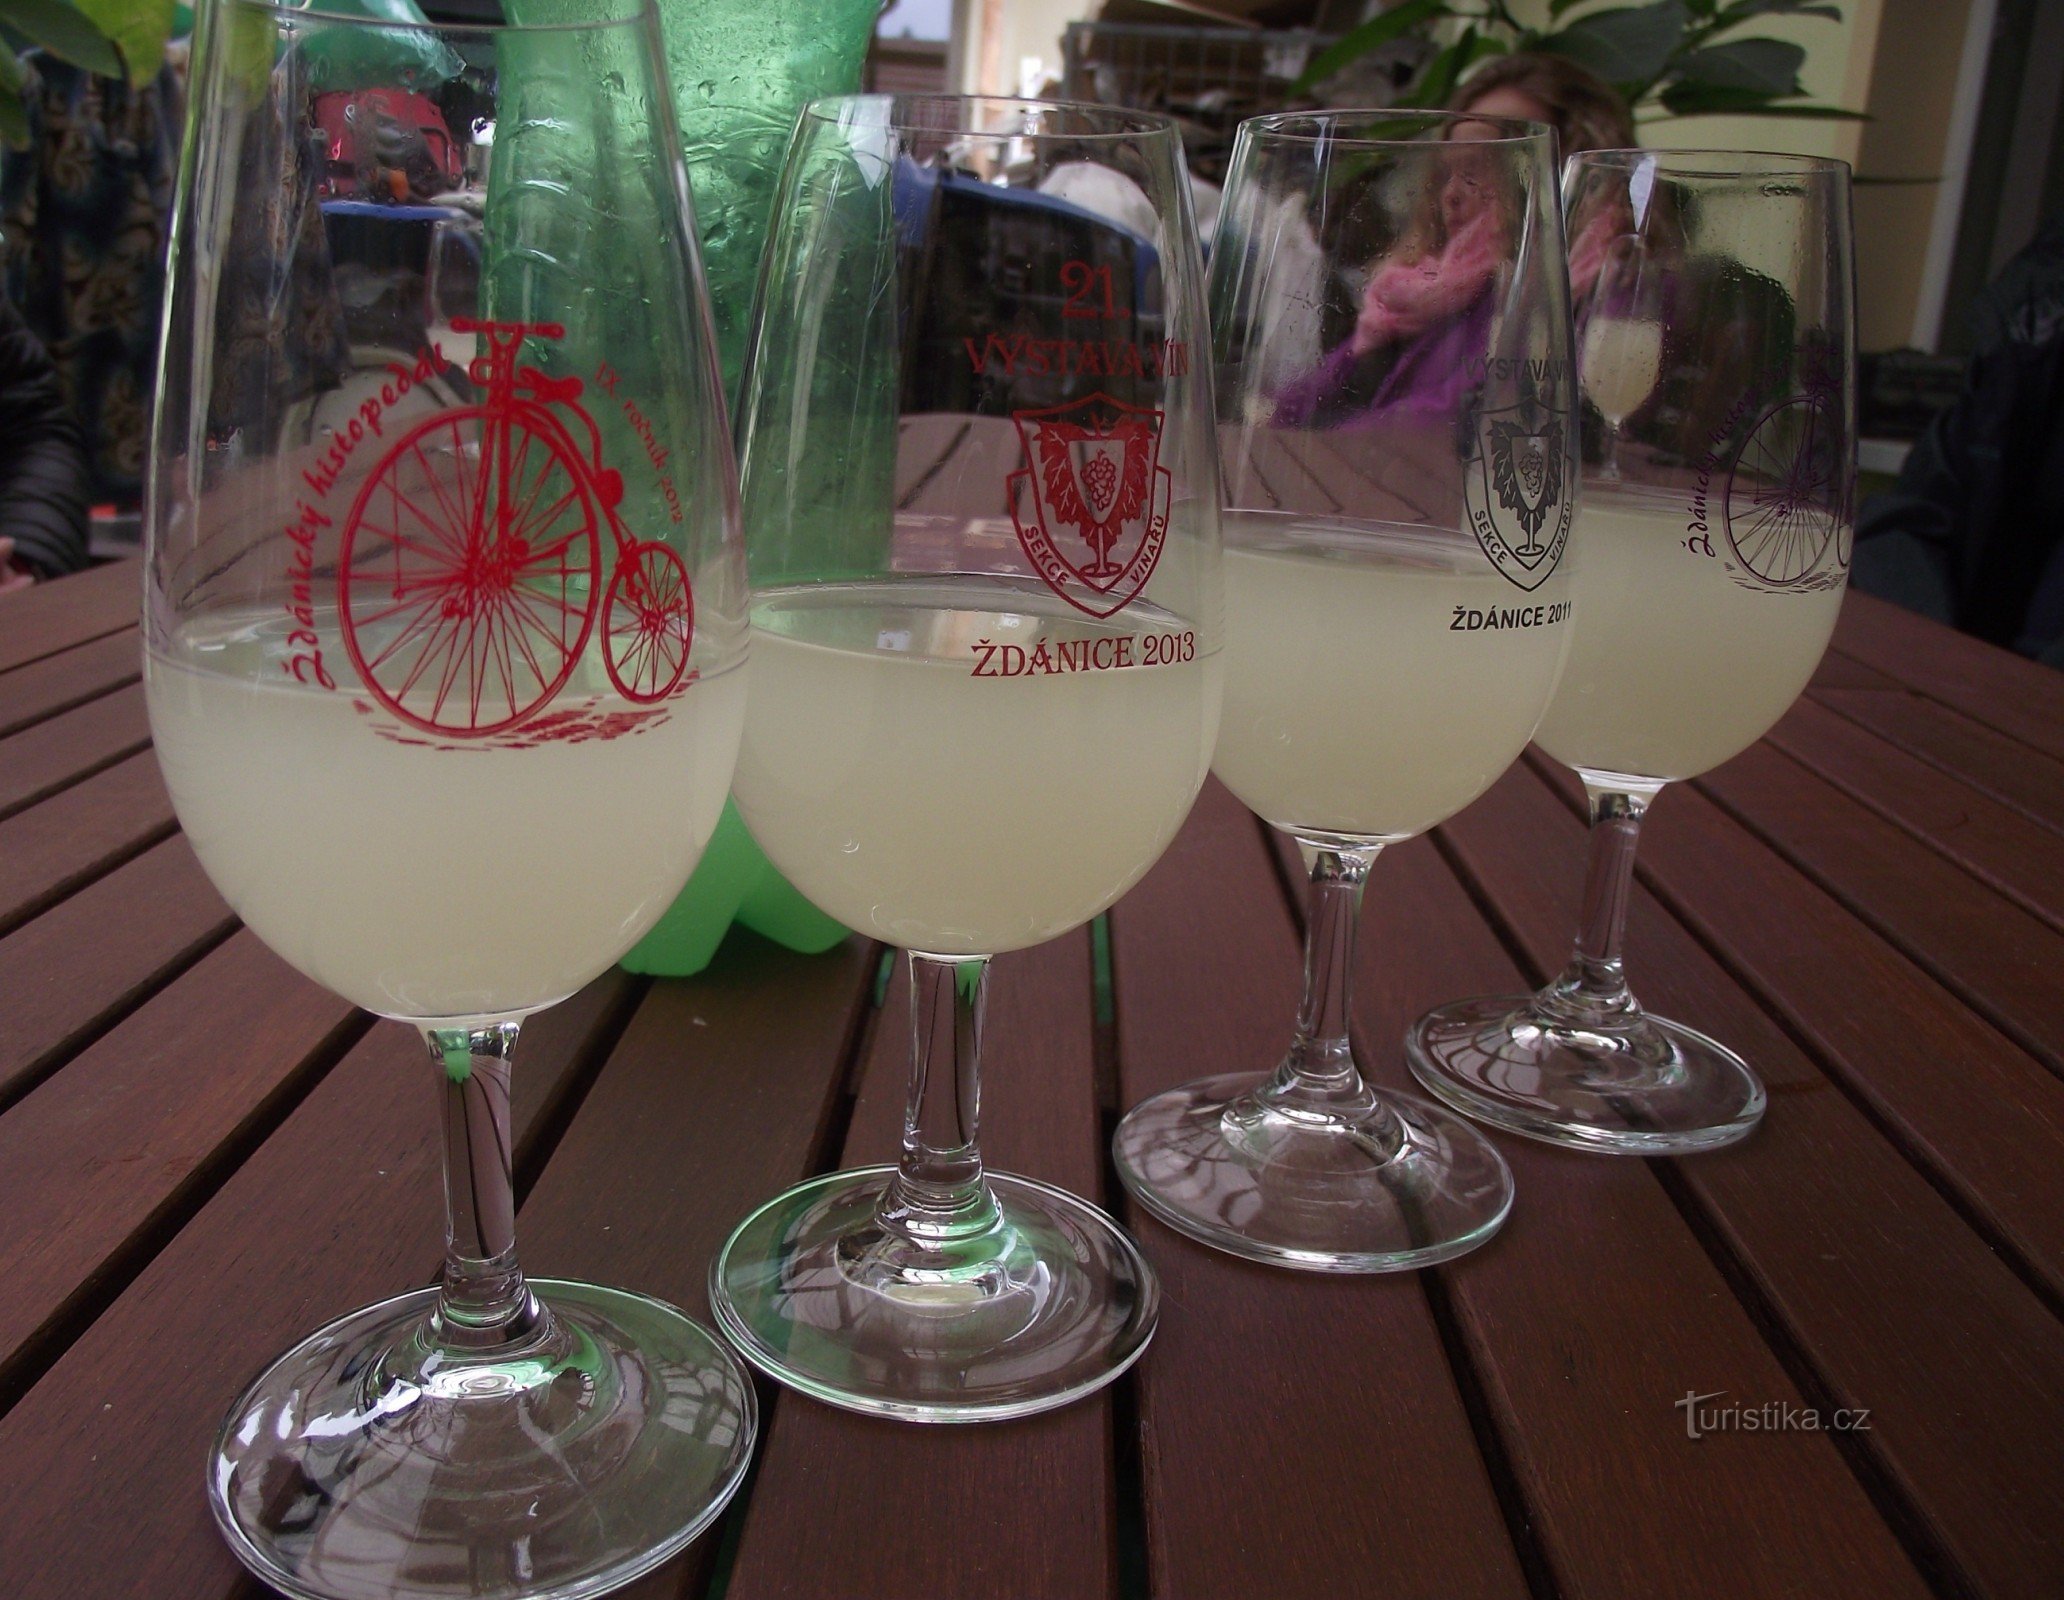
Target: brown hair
column 1426, row 228
column 1586, row 112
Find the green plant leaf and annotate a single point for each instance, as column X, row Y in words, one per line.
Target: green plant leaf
column 1378, row 30
column 1767, row 66
column 1742, row 10
column 1629, row 46
column 1445, row 70
column 1813, row 113
column 1702, row 99
column 1438, row 81
column 1486, row 47
column 65, row 31
column 139, row 29
column 249, row 50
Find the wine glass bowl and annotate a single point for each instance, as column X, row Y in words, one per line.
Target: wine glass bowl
column 1396, row 408
column 445, row 649
column 981, row 501
column 1716, row 529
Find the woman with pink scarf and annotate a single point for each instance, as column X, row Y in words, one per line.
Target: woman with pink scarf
column 1430, row 300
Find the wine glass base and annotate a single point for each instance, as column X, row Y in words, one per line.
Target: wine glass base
column 1059, row 1304
column 552, row 1475
column 1646, row 1088
column 1406, row 1185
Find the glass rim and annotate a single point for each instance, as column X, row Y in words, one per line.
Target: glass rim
column 1335, row 125
column 1699, row 162
column 634, row 13
column 1135, row 124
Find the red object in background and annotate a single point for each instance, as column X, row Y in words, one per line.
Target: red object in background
column 383, row 144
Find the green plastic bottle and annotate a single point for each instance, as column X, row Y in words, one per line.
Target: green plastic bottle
column 734, row 883
column 741, row 70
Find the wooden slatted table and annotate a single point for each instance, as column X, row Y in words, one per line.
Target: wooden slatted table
column 203, row 1156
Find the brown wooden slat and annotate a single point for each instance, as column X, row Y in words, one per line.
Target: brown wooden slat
column 1866, row 1271
column 51, row 755
column 970, row 480
column 1401, row 475
column 1995, row 686
column 1593, row 1314
column 1322, row 476
column 922, row 443
column 1989, row 762
column 1427, row 479
column 1275, row 464
column 2021, row 859
column 1839, row 673
column 1286, row 1418
column 718, row 1096
column 1248, row 481
column 1984, row 1116
column 117, row 1137
column 1003, row 1510
column 67, row 611
column 101, row 1460
column 52, row 849
column 69, row 678
column 94, row 955
column 1998, row 957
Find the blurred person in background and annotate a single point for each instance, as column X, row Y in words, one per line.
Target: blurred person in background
column 1427, row 303
column 1586, row 113
column 1427, row 307
column 86, row 209
column 1972, row 533
column 1584, row 110
column 42, row 468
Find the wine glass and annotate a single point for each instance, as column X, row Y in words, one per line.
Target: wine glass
column 1620, row 335
column 445, row 646
column 1713, row 572
column 1396, row 408
column 981, row 504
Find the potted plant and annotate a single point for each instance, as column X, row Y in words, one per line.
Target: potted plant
column 1670, row 57
column 112, row 38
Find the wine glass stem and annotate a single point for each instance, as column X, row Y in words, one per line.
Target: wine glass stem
column 484, row 1306
column 1319, row 1072
column 939, row 1197
column 1593, row 987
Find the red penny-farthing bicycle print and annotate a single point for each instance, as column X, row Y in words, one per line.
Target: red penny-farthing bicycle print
column 471, row 560
column 648, row 622
column 1784, row 491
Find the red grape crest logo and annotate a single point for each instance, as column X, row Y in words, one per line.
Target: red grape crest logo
column 1091, row 502
column 470, row 573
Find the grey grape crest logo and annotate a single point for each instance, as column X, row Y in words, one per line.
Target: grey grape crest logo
column 1517, row 494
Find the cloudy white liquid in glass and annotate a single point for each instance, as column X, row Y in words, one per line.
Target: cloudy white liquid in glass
column 1378, row 679
column 424, row 877
column 907, row 770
